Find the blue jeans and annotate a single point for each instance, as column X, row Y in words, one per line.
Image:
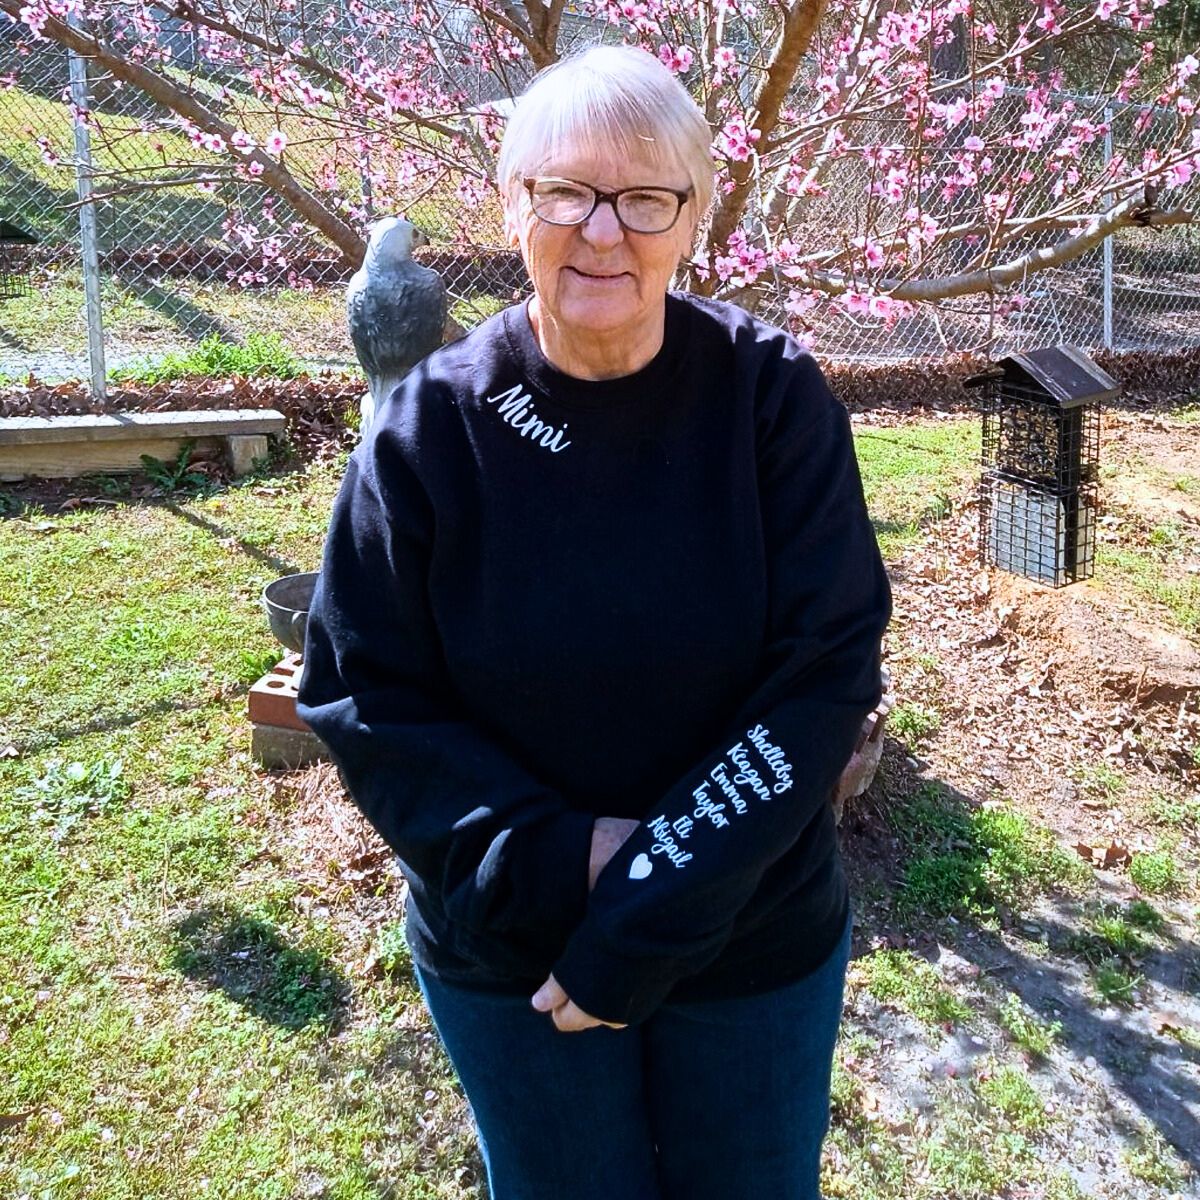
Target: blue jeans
column 718, row 1100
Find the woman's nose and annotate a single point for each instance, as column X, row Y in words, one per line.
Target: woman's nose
column 602, row 228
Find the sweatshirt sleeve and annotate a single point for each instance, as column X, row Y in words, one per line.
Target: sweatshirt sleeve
column 665, row 905
column 478, row 836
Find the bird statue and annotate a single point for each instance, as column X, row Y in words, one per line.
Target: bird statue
column 396, row 310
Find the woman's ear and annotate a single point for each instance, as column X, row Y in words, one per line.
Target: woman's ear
column 511, row 234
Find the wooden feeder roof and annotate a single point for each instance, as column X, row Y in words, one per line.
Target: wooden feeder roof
column 15, row 234
column 1064, row 373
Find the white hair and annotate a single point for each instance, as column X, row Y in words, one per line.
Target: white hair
column 617, row 102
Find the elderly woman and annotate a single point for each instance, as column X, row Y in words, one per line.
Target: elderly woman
column 597, row 627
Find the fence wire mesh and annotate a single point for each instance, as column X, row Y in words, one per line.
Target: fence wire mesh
column 187, row 251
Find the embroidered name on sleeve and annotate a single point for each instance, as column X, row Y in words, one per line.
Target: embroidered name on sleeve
column 753, row 768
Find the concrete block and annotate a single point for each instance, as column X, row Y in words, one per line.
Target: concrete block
column 242, row 449
column 276, row 747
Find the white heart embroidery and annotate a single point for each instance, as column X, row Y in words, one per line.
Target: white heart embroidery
column 640, row 867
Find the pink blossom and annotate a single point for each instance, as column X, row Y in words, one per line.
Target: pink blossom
column 1181, row 173
column 736, row 141
column 872, row 252
column 254, row 169
column 1048, row 22
column 973, row 143
column 723, row 58
column 798, row 303
column 856, row 304
column 677, row 60
column 1107, row 8
column 275, row 143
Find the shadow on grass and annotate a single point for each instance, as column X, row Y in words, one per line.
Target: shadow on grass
column 121, row 720
column 249, row 960
column 282, row 565
column 931, row 868
column 188, row 318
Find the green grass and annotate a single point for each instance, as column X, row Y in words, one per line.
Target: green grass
column 913, row 723
column 260, row 354
column 968, row 862
column 183, row 1007
column 1026, row 1028
column 1008, row 1090
column 1156, row 873
column 150, row 321
column 1154, row 1162
column 1116, row 982
column 910, row 472
column 902, row 978
column 1150, row 577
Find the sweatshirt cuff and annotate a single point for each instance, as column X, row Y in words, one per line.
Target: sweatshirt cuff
column 611, row 986
column 553, row 869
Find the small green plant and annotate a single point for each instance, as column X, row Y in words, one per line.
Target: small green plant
column 9, row 505
column 69, row 791
column 912, row 722
column 1144, row 915
column 1026, row 1028
column 1116, row 983
column 1099, row 780
column 1189, row 484
column 1120, row 935
column 1155, row 873
column 1166, row 536
column 1178, row 814
column 260, row 354
column 1154, row 1162
column 392, row 950
column 1008, row 1089
column 175, row 476
column 254, row 664
column 903, row 977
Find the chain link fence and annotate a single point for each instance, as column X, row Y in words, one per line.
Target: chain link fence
column 179, row 262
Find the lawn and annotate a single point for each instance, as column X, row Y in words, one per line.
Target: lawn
column 203, row 991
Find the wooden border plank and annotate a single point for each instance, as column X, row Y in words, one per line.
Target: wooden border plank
column 138, row 426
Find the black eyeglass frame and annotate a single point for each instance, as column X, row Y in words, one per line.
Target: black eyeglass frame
column 682, row 198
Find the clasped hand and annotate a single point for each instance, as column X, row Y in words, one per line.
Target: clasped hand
column 609, row 834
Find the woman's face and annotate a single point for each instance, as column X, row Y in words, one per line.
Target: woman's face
column 597, row 278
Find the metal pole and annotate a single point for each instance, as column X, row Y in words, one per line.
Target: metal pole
column 87, row 219
column 1108, row 249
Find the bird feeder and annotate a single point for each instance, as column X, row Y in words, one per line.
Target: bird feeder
column 16, row 258
column 1041, row 463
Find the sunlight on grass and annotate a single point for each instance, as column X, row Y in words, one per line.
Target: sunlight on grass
column 910, row 471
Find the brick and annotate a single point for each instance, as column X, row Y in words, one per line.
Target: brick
column 272, row 700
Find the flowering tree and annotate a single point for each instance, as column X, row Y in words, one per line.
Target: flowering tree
column 872, row 154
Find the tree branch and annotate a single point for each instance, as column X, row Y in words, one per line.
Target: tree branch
column 991, row 279
column 185, row 104
column 799, row 25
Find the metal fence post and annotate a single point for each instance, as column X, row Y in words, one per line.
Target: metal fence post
column 87, row 219
column 1108, row 249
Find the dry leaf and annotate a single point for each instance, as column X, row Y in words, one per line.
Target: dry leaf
column 1166, row 1023
column 1112, row 855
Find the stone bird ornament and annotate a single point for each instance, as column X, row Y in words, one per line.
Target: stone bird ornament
column 396, row 310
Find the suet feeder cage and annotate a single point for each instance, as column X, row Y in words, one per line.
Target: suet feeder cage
column 16, row 258
column 1041, row 463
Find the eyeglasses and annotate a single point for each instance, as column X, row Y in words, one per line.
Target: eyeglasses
column 638, row 209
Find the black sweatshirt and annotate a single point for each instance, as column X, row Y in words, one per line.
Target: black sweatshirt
column 546, row 599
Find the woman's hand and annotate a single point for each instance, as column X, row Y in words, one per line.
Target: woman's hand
column 568, row 1016
column 609, row 834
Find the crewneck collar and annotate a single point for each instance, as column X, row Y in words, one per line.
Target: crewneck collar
column 571, row 392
